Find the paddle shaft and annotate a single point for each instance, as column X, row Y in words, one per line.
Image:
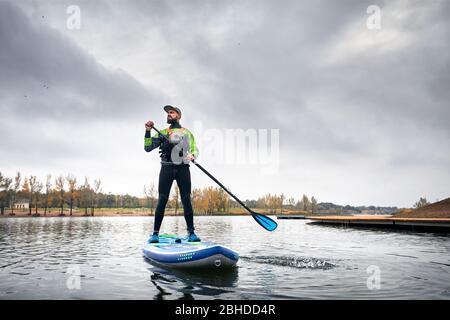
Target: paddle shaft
column 223, row 187
column 214, row 179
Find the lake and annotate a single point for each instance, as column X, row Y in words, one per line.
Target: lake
column 101, row 258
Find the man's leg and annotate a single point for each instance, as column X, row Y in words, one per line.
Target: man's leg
column 183, row 177
column 166, row 177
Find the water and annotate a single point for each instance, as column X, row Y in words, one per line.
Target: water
column 40, row 258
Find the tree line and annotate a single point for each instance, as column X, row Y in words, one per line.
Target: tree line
column 60, row 192
column 274, row 203
column 65, row 193
column 211, row 200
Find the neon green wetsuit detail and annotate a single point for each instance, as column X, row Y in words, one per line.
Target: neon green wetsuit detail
column 174, row 133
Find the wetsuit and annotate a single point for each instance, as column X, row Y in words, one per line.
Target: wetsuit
column 173, row 168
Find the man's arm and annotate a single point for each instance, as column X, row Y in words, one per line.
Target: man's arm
column 192, row 145
column 150, row 142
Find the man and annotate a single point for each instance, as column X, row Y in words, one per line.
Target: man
column 176, row 151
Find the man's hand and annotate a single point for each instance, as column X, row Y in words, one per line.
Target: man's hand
column 149, row 125
column 189, row 157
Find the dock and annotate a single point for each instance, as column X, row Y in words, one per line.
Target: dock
column 291, row 216
column 389, row 222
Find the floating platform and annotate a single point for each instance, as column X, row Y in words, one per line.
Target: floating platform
column 390, row 222
column 291, row 216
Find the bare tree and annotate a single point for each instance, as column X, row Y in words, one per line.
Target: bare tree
column 224, row 200
column 85, row 195
column 32, row 181
column 305, row 202
column 97, row 184
column 313, row 204
column 291, row 202
column 147, row 197
column 271, row 202
column 48, row 185
column 14, row 191
column 282, row 197
column 37, row 192
column 5, row 186
column 59, row 183
column 153, row 195
column 421, row 203
column 150, row 194
column 26, row 189
column 72, row 182
column 197, row 199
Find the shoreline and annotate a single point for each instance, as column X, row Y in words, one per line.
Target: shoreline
column 114, row 214
column 349, row 219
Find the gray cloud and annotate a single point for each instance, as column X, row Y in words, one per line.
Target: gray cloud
column 275, row 76
column 47, row 76
column 55, row 98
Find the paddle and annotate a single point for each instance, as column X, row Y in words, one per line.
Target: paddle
column 264, row 221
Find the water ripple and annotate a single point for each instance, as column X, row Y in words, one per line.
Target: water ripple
column 293, row 262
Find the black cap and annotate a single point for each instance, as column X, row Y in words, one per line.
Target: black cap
column 168, row 107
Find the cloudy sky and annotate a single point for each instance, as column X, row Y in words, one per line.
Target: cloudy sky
column 363, row 114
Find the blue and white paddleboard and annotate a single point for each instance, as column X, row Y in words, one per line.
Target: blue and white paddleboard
column 176, row 252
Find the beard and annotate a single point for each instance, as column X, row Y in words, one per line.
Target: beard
column 171, row 120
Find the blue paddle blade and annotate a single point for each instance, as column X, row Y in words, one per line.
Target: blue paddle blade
column 264, row 221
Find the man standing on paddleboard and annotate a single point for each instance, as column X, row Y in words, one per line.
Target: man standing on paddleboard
column 176, row 152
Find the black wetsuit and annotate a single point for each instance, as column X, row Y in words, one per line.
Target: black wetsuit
column 171, row 171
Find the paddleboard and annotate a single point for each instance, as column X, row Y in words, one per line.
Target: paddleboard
column 177, row 252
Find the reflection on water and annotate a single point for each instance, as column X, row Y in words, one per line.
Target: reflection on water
column 207, row 283
column 298, row 260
